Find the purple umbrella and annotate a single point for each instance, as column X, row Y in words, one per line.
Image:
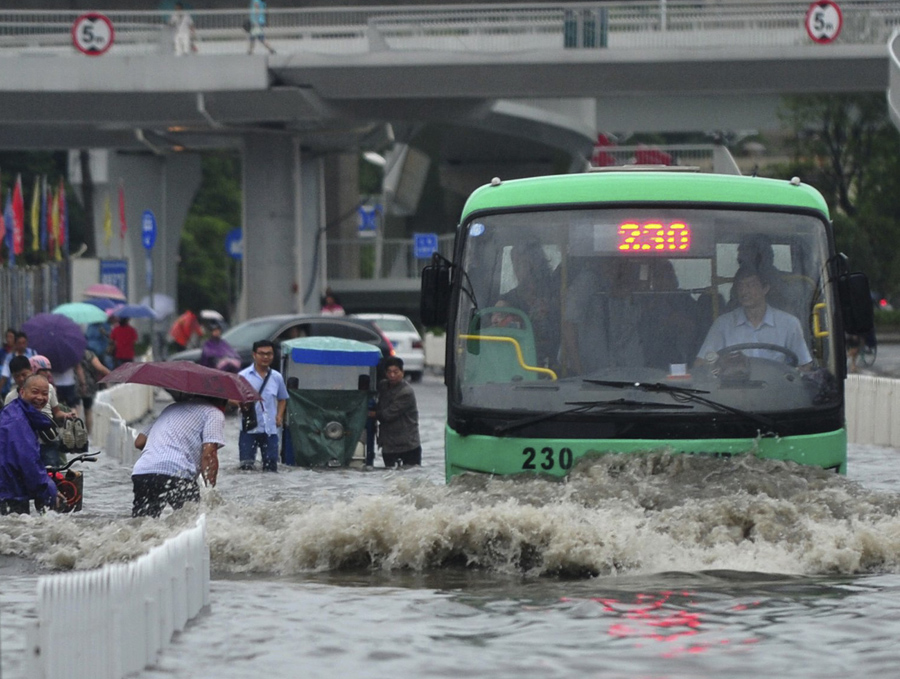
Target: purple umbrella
column 103, row 303
column 56, row 337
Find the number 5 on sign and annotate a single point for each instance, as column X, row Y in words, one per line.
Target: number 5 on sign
column 92, row 34
column 824, row 21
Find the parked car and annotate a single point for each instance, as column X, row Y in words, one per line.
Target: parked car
column 406, row 340
column 285, row 327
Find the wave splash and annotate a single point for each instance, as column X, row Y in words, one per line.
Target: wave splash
column 634, row 514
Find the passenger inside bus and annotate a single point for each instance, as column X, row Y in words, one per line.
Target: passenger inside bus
column 603, row 319
column 756, row 322
column 670, row 332
column 537, row 294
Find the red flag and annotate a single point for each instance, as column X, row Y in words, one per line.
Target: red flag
column 123, row 227
column 18, row 218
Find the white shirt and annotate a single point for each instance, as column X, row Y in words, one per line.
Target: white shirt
column 777, row 327
column 175, row 440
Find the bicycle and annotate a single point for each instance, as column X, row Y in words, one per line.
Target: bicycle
column 70, row 483
column 868, row 350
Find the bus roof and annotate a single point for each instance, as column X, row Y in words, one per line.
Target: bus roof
column 641, row 187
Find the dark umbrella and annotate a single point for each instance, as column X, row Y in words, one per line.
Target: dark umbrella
column 185, row 377
column 58, row 338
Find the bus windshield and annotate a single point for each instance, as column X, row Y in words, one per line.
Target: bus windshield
column 561, row 307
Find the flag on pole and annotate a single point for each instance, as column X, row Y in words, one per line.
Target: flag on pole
column 63, row 218
column 36, row 215
column 18, row 206
column 9, row 219
column 123, row 227
column 54, row 220
column 45, row 221
column 2, row 225
column 48, row 216
column 107, row 222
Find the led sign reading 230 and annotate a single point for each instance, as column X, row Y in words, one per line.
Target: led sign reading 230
column 654, row 237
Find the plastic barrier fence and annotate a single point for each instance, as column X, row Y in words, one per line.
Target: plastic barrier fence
column 113, row 409
column 873, row 410
column 111, row 622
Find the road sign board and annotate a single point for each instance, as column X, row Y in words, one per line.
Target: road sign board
column 824, row 21
column 368, row 219
column 93, row 34
column 115, row 272
column 234, row 243
column 425, row 244
column 148, row 230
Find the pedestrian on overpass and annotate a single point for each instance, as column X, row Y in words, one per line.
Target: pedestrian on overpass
column 256, row 25
column 183, row 24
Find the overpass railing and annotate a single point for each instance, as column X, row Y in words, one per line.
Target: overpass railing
column 372, row 258
column 467, row 28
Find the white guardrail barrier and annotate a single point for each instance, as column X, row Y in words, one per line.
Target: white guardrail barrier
column 873, row 410
column 111, row 622
column 113, row 409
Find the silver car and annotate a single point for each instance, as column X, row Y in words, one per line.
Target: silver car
column 406, row 340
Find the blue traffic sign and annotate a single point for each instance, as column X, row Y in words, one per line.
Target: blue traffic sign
column 148, row 230
column 425, row 244
column 234, row 243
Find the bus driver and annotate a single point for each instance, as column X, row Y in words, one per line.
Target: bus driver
column 755, row 322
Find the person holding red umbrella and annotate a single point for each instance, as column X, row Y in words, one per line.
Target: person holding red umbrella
column 180, row 446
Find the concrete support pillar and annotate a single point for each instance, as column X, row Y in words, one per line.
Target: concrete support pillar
column 165, row 185
column 273, row 275
column 341, row 202
column 310, row 258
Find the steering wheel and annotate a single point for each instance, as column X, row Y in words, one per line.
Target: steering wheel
column 792, row 359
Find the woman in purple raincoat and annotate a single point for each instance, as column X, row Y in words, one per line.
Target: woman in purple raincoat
column 219, row 354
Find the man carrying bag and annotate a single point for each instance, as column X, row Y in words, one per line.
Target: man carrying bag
column 261, row 422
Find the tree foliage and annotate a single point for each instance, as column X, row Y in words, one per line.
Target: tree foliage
column 847, row 147
column 206, row 273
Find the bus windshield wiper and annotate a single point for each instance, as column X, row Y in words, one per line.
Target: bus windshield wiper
column 584, row 406
column 685, row 394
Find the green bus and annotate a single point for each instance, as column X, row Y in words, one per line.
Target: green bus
column 625, row 311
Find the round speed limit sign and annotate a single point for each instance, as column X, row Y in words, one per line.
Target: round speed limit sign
column 824, row 21
column 92, row 34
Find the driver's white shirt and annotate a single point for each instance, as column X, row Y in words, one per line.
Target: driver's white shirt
column 777, row 327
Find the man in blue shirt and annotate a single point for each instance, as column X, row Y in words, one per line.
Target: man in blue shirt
column 269, row 411
column 23, row 476
column 755, row 322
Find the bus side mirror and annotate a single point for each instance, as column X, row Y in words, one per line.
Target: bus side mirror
column 293, row 383
column 362, row 383
column 856, row 303
column 435, row 301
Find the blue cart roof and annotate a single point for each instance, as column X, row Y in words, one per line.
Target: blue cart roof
column 330, row 351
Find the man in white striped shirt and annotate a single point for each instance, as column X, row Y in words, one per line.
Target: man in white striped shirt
column 182, row 444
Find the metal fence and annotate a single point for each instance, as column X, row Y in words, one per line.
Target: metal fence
column 29, row 290
column 373, row 258
column 467, row 28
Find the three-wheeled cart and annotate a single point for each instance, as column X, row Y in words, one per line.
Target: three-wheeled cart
column 331, row 387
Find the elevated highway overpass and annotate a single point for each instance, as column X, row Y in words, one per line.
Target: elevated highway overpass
column 521, row 89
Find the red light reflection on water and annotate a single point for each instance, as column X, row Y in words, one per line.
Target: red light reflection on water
column 660, row 618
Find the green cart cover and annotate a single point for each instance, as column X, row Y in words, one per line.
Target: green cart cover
column 310, row 411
